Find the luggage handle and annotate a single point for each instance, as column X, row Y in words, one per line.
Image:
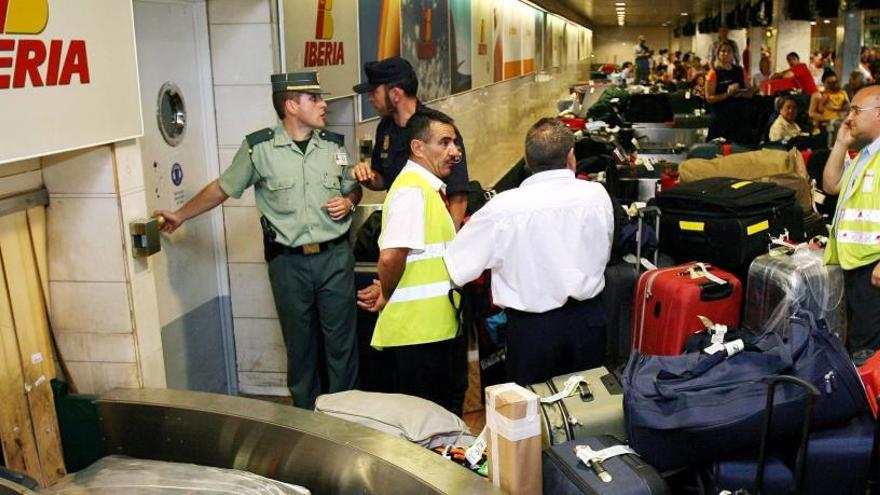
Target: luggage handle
column 714, row 292
column 800, row 465
column 641, row 213
column 706, row 363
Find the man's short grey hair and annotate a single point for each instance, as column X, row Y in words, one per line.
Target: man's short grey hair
column 548, row 143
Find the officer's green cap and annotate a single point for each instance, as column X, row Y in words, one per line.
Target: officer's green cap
column 304, row 82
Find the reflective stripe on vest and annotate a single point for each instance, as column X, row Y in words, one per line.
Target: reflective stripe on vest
column 419, row 310
column 436, row 250
column 857, row 215
column 418, row 292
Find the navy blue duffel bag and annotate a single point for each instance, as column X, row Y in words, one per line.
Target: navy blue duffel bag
column 698, row 408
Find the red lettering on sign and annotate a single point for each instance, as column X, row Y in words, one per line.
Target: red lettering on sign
column 54, row 61
column 321, row 53
column 5, row 62
column 30, row 63
column 76, row 62
column 28, row 58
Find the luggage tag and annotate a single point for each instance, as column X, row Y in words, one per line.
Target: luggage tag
column 474, row 453
column 567, row 390
column 700, row 270
column 593, row 459
column 731, row 348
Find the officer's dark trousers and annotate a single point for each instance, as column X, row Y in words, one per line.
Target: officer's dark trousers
column 563, row 340
column 863, row 309
column 315, row 293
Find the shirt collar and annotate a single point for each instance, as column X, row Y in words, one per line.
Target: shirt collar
column 548, row 175
column 870, row 149
column 432, row 179
column 281, row 137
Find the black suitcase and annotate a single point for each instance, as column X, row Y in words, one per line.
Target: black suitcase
column 727, row 222
column 649, row 108
column 565, row 474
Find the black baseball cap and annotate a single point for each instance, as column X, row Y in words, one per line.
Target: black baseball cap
column 385, row 71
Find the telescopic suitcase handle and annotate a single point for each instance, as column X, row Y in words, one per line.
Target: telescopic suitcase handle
column 801, row 462
column 642, row 213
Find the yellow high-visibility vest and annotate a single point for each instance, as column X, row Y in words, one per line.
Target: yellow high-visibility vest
column 855, row 238
column 419, row 310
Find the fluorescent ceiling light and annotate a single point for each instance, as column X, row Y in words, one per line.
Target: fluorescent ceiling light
column 684, row 13
column 620, row 3
column 812, row 23
column 826, row 21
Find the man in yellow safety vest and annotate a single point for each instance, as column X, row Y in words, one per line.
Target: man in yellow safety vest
column 854, row 242
column 418, row 322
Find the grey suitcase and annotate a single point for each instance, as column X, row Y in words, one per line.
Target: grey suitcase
column 778, row 283
column 594, row 409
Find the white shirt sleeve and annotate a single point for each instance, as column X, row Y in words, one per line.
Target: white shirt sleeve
column 473, row 249
column 404, row 225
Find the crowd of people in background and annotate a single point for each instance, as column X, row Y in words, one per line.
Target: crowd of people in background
column 724, row 74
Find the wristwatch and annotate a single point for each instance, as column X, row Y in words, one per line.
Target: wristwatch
column 353, row 206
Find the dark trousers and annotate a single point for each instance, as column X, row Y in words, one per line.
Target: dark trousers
column 431, row 371
column 315, row 294
column 863, row 308
column 564, row 340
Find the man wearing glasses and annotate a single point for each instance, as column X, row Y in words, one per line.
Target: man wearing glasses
column 854, row 241
column 392, row 87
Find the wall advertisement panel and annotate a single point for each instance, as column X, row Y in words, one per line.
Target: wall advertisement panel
column 322, row 35
column 61, row 63
column 379, row 30
column 425, row 43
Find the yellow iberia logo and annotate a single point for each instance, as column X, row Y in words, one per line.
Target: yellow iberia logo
column 23, row 16
column 324, row 26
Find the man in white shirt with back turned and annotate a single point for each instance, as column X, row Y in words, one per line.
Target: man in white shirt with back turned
column 547, row 244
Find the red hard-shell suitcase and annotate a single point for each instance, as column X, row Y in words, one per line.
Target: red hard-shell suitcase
column 868, row 364
column 668, row 302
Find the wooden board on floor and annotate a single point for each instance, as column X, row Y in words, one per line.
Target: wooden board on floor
column 29, row 316
column 16, row 429
column 37, row 224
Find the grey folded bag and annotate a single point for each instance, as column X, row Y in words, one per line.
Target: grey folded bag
column 412, row 418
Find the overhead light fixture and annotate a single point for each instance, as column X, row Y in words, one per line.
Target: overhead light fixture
column 684, row 13
column 826, row 21
column 812, row 23
column 620, row 4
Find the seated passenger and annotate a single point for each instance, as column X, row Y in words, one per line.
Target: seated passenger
column 831, row 103
column 799, row 72
column 784, row 127
column 547, row 243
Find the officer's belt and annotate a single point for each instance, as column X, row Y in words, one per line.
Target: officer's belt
column 308, row 249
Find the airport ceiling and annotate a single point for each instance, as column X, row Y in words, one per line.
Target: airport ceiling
column 644, row 13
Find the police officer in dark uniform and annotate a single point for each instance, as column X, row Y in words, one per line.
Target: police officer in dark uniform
column 304, row 190
column 391, row 87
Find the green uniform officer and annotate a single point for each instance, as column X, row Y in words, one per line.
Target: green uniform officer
column 301, row 178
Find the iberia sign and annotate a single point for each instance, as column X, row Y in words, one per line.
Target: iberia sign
column 316, row 34
column 70, row 64
column 324, row 50
column 34, row 60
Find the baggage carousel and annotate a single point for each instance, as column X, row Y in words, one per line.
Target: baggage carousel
column 313, row 450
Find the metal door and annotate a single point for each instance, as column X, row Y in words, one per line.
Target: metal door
column 180, row 156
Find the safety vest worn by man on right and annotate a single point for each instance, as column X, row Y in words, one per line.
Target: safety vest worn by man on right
column 855, row 234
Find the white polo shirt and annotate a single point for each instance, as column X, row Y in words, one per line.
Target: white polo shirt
column 545, row 242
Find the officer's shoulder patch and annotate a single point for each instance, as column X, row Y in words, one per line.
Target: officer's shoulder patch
column 260, row 136
column 333, row 137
